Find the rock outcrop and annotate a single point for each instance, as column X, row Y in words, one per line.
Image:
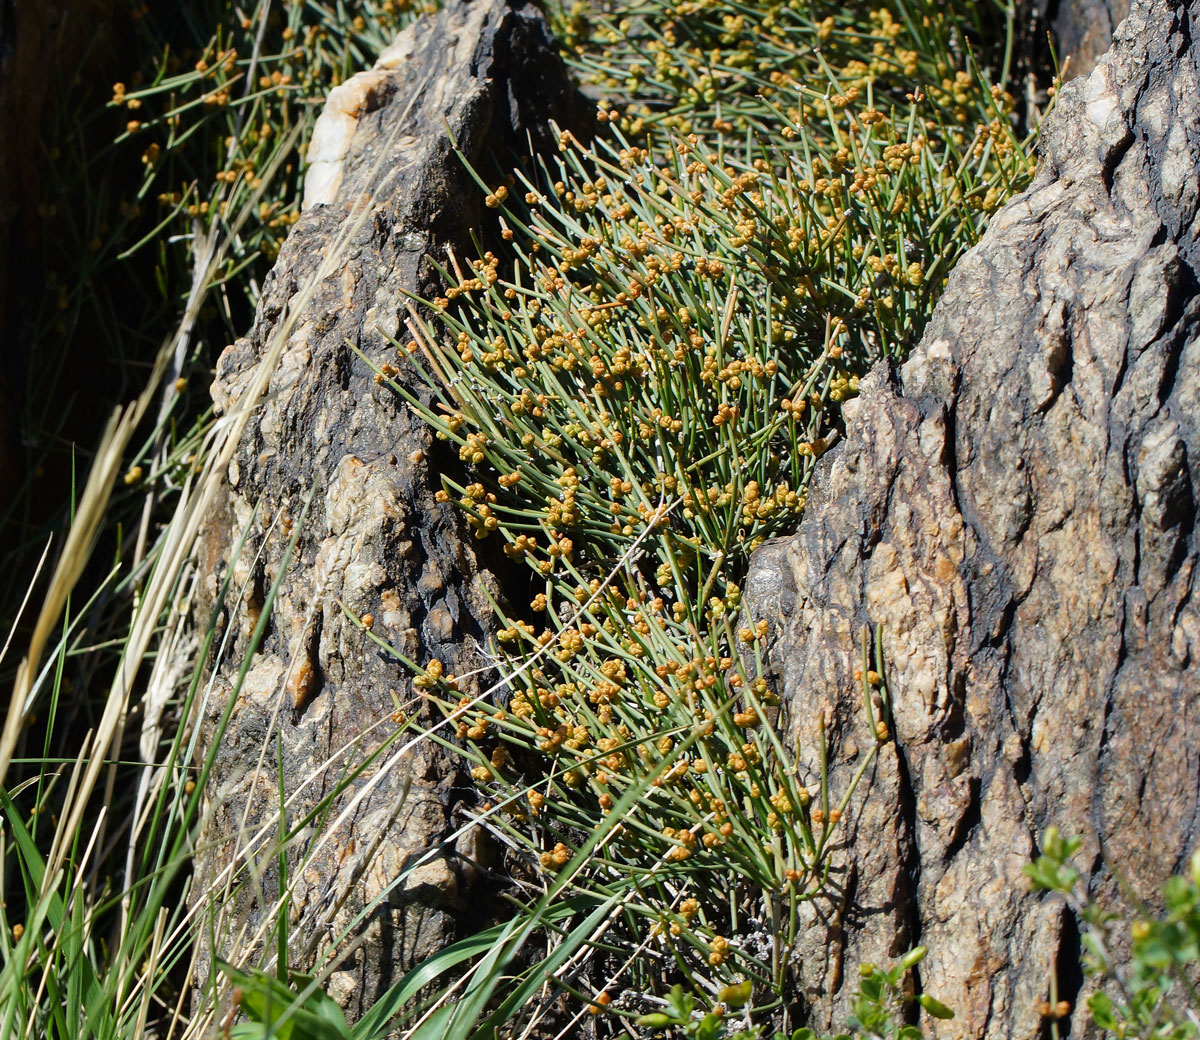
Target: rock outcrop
column 387, row 199
column 1014, row 512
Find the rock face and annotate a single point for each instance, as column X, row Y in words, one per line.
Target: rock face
column 387, row 197
column 1015, row 512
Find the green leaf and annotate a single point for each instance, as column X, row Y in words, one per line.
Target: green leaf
column 249, row 1031
column 321, row 1003
column 935, row 1007
column 735, row 996
column 436, row 1025
column 872, row 989
column 1101, row 1008
column 267, row 1001
column 680, row 1003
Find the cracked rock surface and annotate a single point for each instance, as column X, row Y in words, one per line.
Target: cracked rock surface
column 319, row 697
column 1015, row 510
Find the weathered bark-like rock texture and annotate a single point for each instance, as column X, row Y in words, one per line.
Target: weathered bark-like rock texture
column 1015, row 510
column 484, row 75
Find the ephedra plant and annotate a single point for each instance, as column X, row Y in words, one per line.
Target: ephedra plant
column 639, row 378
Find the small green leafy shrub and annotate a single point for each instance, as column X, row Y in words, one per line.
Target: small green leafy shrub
column 880, row 1009
column 299, row 1011
column 1151, row 995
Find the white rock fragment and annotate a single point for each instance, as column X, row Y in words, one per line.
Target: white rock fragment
column 334, row 130
column 1102, row 102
